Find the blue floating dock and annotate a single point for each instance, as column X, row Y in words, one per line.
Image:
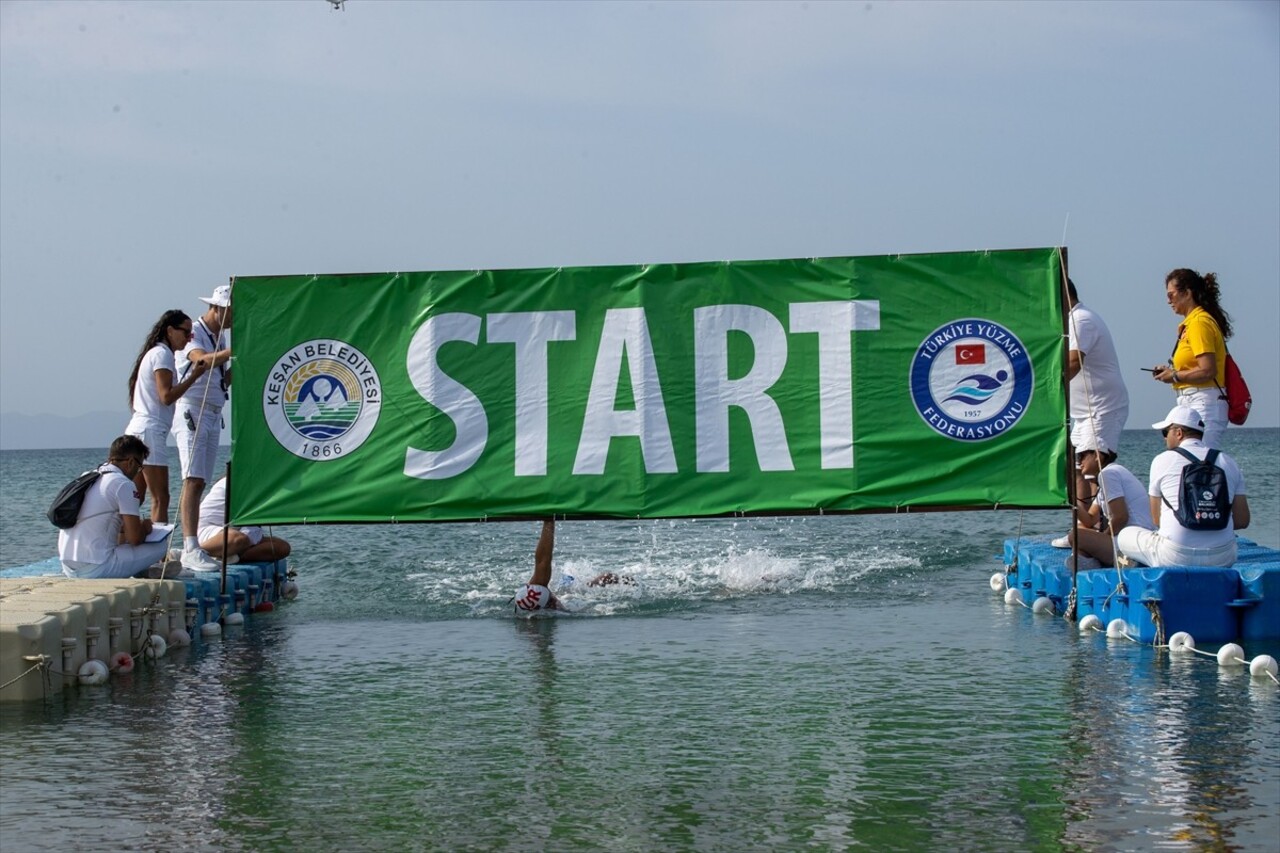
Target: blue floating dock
column 1213, row 605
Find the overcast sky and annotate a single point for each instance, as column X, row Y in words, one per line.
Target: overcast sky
column 150, row 150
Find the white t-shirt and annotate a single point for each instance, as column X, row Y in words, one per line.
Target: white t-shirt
column 1087, row 333
column 1166, row 480
column 210, row 390
column 97, row 531
column 147, row 407
column 213, row 509
column 1117, row 481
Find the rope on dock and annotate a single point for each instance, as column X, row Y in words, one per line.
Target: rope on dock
column 40, row 662
column 1153, row 607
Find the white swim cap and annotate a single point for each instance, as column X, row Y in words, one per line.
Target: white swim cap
column 532, row 596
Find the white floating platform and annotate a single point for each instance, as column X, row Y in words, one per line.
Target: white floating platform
column 51, row 626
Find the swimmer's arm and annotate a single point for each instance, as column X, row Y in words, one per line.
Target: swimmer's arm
column 542, row 554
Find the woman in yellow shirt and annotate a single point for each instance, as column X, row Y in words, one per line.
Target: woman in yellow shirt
column 1199, row 358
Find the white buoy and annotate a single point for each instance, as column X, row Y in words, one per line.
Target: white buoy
column 1043, row 604
column 997, row 582
column 289, row 590
column 1116, row 629
column 1182, row 642
column 93, row 672
column 1262, row 666
column 1090, row 623
column 122, row 663
column 1013, row 595
column 210, row 629
column 1231, row 655
column 233, row 619
column 178, row 638
column 156, row 647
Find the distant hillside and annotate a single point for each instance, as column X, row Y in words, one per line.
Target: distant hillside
column 41, row 432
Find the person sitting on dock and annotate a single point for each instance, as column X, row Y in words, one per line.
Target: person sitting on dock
column 1121, row 502
column 244, row 544
column 109, row 536
column 1175, row 543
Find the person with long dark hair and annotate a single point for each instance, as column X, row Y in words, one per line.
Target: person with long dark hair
column 152, row 394
column 1196, row 369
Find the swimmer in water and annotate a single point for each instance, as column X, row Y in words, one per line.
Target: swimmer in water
column 610, row 578
column 536, row 594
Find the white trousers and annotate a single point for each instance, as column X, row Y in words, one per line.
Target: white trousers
column 1151, row 549
column 1208, row 402
column 125, row 561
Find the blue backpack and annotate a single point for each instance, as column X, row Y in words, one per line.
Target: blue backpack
column 1204, row 502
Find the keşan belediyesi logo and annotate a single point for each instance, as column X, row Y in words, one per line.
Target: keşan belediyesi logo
column 322, row 399
column 971, row 379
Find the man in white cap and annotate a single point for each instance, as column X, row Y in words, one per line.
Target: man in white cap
column 1185, row 541
column 199, row 416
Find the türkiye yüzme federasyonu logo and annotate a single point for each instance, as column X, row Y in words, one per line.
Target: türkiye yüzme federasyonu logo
column 971, row 379
column 322, row 399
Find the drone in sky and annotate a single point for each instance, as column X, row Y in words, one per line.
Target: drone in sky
column 338, row 5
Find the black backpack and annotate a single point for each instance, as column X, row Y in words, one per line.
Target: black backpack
column 1203, row 500
column 65, row 509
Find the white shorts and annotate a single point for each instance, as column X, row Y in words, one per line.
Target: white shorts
column 1209, row 403
column 1150, row 548
column 215, row 533
column 1104, row 426
column 198, row 442
column 155, row 436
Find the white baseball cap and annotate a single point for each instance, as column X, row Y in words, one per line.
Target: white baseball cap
column 221, row 297
column 1183, row 416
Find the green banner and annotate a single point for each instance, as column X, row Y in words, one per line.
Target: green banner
column 786, row 386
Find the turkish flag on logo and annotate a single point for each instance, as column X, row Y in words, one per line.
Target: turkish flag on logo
column 971, row 354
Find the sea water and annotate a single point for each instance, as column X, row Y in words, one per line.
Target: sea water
column 788, row 683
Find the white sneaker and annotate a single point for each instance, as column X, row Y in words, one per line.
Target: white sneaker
column 198, row 560
column 1061, row 542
